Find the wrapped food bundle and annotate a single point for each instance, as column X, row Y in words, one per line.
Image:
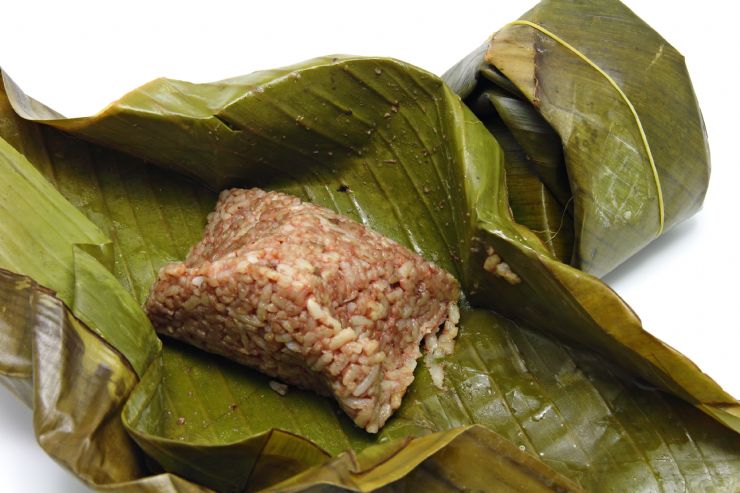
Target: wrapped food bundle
column 605, row 143
column 309, row 297
column 367, row 209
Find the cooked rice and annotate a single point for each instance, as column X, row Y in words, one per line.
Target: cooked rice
column 310, row 298
column 499, row 268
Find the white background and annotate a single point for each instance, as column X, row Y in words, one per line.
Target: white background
column 76, row 57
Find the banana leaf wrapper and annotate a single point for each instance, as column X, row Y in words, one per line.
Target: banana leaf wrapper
column 554, row 385
column 608, row 147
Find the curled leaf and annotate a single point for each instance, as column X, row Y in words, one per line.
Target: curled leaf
column 636, row 154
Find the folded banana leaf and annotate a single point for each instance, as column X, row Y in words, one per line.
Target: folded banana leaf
column 554, row 385
column 603, row 110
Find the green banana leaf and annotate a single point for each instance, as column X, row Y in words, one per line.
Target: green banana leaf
column 78, row 423
column 452, row 209
column 46, row 238
column 391, row 146
column 54, row 357
column 592, row 77
column 532, row 202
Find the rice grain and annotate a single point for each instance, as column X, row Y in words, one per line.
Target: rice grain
column 310, row 298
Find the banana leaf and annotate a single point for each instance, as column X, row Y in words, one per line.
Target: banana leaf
column 541, row 392
column 77, row 383
column 591, row 76
column 533, row 203
column 79, row 424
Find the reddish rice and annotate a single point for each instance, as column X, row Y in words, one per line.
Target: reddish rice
column 311, row 298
